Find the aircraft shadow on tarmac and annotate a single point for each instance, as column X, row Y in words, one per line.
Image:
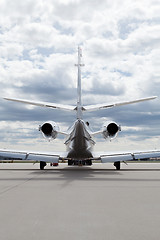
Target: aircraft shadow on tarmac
column 83, row 169
column 70, row 174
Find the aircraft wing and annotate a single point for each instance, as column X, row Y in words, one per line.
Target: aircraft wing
column 105, row 105
column 43, row 104
column 14, row 155
column 127, row 156
column 54, row 157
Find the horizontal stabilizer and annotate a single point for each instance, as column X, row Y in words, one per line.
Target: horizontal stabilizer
column 105, row 105
column 43, row 104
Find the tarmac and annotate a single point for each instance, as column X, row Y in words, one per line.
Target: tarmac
column 80, row 203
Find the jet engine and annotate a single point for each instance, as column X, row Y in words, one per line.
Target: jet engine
column 110, row 130
column 49, row 130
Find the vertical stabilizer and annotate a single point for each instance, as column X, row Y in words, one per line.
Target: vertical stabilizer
column 79, row 100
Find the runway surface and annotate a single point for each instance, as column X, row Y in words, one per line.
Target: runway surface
column 79, row 203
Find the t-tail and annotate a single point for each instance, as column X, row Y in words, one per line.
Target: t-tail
column 78, row 108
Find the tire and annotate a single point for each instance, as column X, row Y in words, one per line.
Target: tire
column 117, row 165
column 70, row 162
column 42, row 165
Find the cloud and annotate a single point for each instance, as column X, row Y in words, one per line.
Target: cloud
column 38, row 50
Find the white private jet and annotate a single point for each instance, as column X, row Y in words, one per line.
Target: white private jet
column 79, row 137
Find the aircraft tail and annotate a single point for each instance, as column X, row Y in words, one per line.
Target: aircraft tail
column 79, row 108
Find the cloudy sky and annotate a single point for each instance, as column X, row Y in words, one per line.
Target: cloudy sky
column 121, row 52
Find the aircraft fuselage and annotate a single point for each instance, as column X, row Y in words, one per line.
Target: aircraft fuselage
column 79, row 143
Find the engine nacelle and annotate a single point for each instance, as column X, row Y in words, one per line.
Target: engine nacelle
column 49, row 130
column 110, row 130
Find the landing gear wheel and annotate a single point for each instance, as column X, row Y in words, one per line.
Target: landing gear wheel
column 89, row 162
column 70, row 162
column 117, row 165
column 42, row 165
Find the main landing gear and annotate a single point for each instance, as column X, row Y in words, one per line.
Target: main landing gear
column 117, row 165
column 42, row 165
